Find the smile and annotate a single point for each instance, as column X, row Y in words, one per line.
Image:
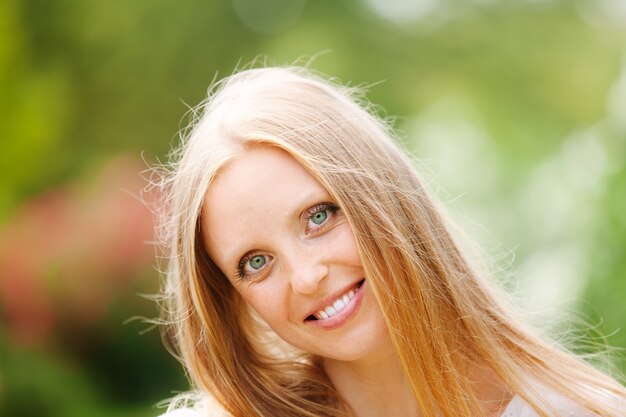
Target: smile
column 338, row 305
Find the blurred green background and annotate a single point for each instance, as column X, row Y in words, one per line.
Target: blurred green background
column 517, row 109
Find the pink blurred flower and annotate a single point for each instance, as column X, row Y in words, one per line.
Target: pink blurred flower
column 69, row 251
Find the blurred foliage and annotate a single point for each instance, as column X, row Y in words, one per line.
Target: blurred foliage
column 516, row 108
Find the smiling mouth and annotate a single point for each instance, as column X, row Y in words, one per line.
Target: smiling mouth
column 336, row 306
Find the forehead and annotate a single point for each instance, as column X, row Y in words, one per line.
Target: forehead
column 258, row 173
column 250, row 196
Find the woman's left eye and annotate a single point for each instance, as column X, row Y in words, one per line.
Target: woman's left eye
column 320, row 214
column 319, row 217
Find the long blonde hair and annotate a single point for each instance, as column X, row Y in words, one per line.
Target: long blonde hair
column 430, row 295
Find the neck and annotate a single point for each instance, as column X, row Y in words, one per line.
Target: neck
column 377, row 386
column 374, row 386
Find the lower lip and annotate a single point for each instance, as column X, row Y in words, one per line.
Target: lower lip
column 344, row 315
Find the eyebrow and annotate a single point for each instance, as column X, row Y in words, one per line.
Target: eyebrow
column 309, row 199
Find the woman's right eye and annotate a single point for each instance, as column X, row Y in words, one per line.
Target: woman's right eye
column 318, row 216
column 252, row 264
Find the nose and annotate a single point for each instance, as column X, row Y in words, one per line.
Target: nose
column 306, row 270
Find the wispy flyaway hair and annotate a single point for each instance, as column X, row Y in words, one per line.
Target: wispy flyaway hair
column 441, row 312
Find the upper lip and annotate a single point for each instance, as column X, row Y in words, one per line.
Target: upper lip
column 329, row 299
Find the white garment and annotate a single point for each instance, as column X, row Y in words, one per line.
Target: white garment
column 564, row 407
column 182, row 412
column 516, row 408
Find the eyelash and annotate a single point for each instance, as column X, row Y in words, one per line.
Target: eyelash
column 331, row 208
column 241, row 267
column 316, row 209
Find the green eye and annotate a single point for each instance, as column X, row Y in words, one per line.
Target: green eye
column 319, row 217
column 257, row 262
column 250, row 265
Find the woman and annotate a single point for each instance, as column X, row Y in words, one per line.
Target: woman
column 311, row 274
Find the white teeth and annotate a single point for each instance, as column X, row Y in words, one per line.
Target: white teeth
column 338, row 305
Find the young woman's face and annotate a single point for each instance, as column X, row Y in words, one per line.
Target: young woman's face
column 288, row 249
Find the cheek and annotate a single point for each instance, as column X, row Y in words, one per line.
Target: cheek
column 345, row 246
column 268, row 302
